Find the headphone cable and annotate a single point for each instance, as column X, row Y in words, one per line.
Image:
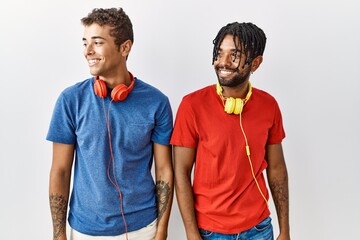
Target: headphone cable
column 112, row 162
column 247, row 148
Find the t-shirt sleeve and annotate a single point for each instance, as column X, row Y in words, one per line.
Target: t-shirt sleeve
column 185, row 133
column 276, row 132
column 163, row 124
column 62, row 127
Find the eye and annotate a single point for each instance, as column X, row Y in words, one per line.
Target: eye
column 236, row 55
column 219, row 54
column 98, row 43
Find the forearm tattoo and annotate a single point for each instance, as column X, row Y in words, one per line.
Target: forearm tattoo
column 162, row 197
column 280, row 192
column 58, row 207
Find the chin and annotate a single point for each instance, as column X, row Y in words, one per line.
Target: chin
column 225, row 82
column 94, row 73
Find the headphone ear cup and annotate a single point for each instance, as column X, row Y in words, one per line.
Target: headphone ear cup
column 229, row 105
column 233, row 105
column 100, row 88
column 239, row 104
column 119, row 93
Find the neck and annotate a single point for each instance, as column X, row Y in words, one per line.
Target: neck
column 239, row 91
column 121, row 78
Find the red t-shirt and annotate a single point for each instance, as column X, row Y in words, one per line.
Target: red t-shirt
column 227, row 199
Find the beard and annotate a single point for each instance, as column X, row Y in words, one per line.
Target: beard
column 239, row 78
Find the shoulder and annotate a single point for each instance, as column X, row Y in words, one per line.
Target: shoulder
column 200, row 94
column 262, row 95
column 264, row 100
column 144, row 93
column 142, row 87
column 78, row 88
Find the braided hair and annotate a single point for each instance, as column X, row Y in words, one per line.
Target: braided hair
column 248, row 39
column 121, row 26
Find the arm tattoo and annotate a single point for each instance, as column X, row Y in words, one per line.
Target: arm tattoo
column 162, row 197
column 280, row 192
column 58, row 207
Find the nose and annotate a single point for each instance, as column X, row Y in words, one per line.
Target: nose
column 89, row 50
column 225, row 59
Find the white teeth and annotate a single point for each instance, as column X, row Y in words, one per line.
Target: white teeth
column 93, row 61
column 225, row 72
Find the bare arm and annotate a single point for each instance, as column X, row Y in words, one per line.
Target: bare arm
column 164, row 187
column 184, row 159
column 278, row 182
column 59, row 186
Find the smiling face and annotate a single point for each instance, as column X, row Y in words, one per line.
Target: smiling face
column 104, row 57
column 229, row 64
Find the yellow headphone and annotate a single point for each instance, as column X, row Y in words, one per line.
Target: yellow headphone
column 233, row 105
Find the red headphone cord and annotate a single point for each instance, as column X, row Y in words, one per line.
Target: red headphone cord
column 112, row 162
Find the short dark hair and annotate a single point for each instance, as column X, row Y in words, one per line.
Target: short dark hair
column 250, row 37
column 116, row 18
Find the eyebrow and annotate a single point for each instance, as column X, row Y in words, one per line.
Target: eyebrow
column 94, row 37
column 232, row 49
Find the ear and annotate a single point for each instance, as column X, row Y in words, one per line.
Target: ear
column 125, row 48
column 256, row 63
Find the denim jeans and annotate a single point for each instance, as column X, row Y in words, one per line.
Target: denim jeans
column 262, row 231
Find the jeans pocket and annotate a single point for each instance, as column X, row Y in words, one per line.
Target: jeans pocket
column 205, row 233
column 263, row 225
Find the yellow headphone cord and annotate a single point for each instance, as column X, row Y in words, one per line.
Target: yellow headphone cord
column 247, row 148
column 238, row 110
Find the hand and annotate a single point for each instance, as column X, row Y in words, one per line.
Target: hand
column 193, row 236
column 160, row 235
column 283, row 237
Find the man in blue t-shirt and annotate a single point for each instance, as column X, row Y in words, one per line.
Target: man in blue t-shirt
column 108, row 129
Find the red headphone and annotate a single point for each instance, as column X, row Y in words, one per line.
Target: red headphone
column 119, row 93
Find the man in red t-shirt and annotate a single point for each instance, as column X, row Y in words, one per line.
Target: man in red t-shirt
column 230, row 133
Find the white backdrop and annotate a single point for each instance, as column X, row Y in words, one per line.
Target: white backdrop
column 310, row 65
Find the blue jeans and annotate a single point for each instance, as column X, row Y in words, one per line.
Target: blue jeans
column 262, row 231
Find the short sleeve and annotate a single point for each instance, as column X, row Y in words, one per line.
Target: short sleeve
column 276, row 132
column 163, row 124
column 185, row 133
column 62, row 125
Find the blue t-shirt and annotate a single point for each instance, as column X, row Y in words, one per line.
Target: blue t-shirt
column 144, row 117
